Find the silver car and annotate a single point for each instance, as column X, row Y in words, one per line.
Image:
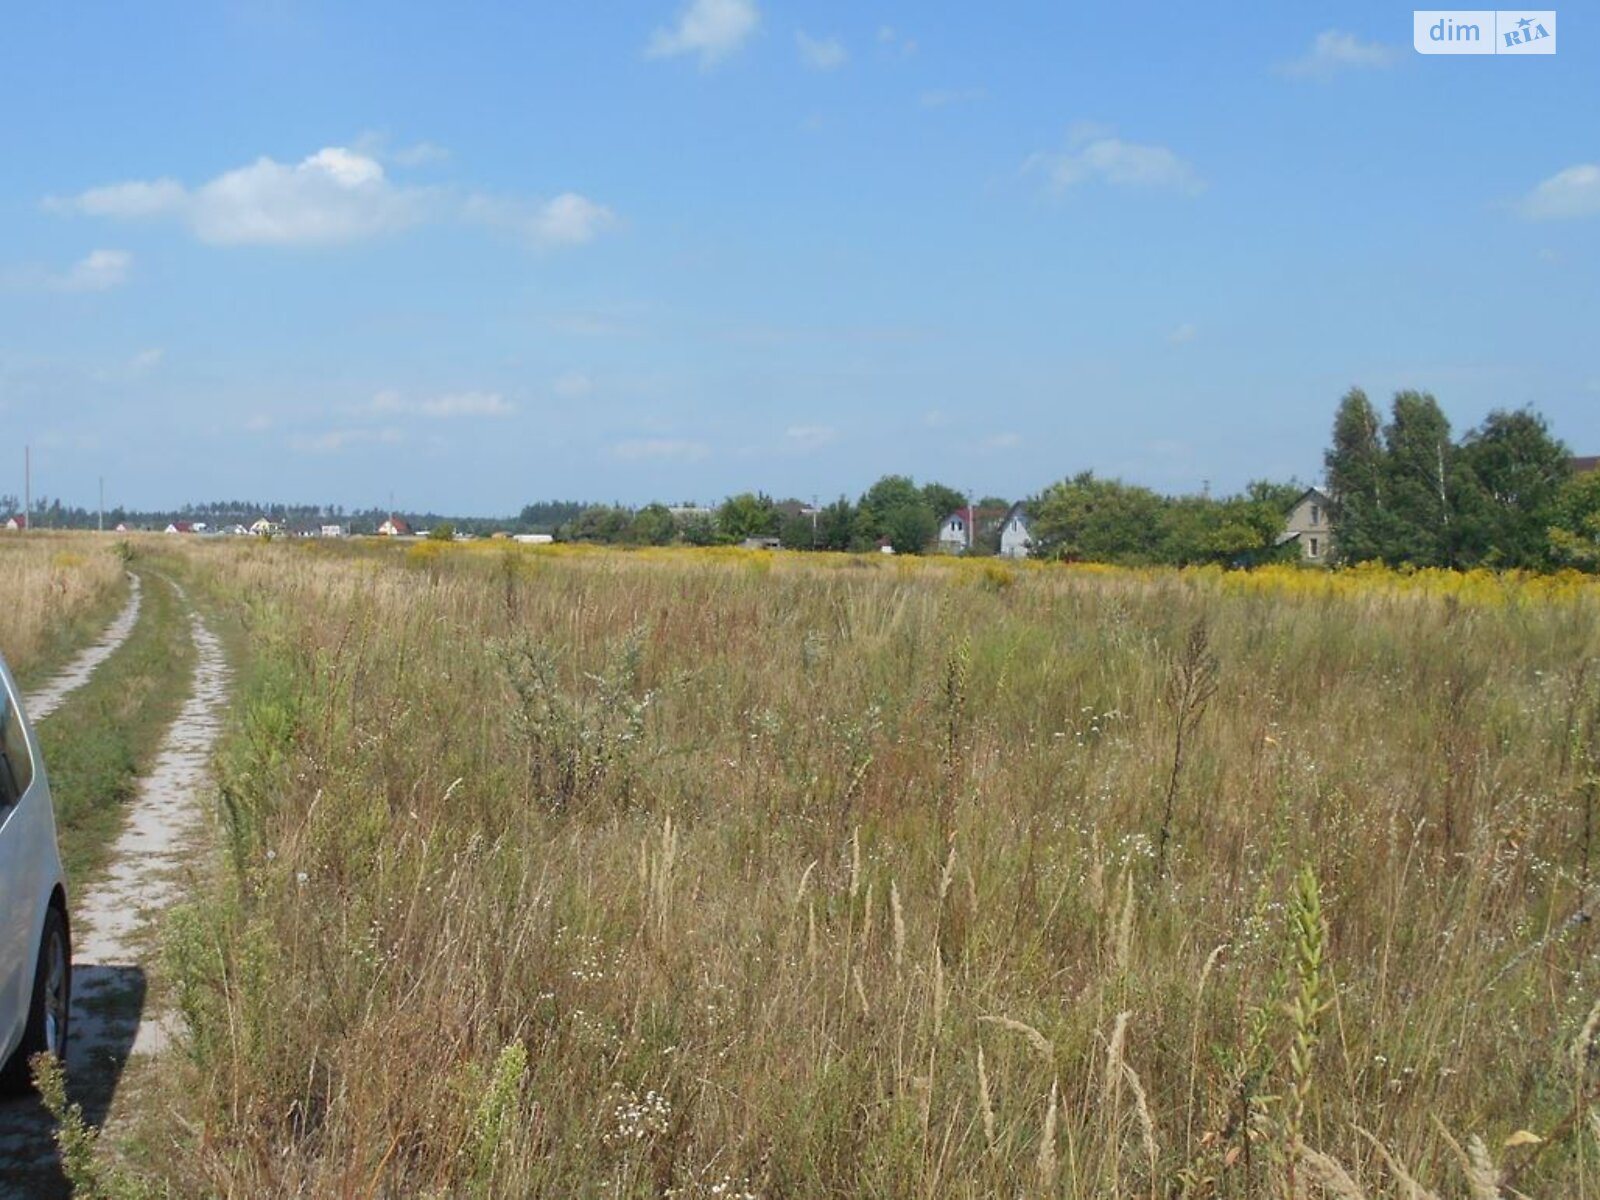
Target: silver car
column 35, row 940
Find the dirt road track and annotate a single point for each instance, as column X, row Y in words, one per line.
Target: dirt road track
column 113, row 1019
column 44, row 701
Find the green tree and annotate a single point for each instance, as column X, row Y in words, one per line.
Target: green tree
column 799, row 531
column 443, row 531
column 652, row 525
column 698, row 529
column 942, row 500
column 1419, row 484
column 1575, row 529
column 836, row 526
column 894, row 508
column 546, row 516
column 1234, row 530
column 909, row 527
column 1512, row 475
column 598, row 523
column 747, row 515
column 1099, row 520
column 1355, row 465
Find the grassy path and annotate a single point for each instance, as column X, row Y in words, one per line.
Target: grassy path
column 68, row 637
column 127, row 755
column 106, row 734
column 45, row 699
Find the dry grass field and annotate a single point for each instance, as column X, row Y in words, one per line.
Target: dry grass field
column 56, row 591
column 714, row 874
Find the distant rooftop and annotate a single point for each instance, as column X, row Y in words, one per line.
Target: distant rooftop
column 1582, row 466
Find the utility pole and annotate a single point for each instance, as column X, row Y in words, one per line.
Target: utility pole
column 27, row 489
column 101, row 527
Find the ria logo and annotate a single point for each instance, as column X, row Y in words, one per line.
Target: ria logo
column 1483, row 31
column 1528, row 31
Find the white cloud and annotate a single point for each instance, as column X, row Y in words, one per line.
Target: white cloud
column 335, row 440
column 573, row 385
column 467, row 404
column 335, row 195
column 570, row 220
column 133, row 368
column 888, row 35
column 713, row 29
column 98, row 271
column 130, row 199
column 1574, row 192
column 820, row 54
column 810, row 437
column 1002, row 441
column 457, row 404
column 1333, row 51
column 421, row 154
column 567, row 220
column 944, row 97
column 259, row 423
column 660, row 450
column 1094, row 155
column 375, row 144
column 1183, row 334
column 935, row 418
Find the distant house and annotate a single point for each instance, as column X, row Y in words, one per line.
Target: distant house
column 262, row 527
column 761, row 543
column 1311, row 524
column 533, row 539
column 20, row 521
column 332, row 531
column 1586, row 464
column 121, row 527
column 1016, row 534
column 394, row 527
column 959, row 531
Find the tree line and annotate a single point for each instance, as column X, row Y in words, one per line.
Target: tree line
column 895, row 511
column 1080, row 518
column 1504, row 495
column 1401, row 491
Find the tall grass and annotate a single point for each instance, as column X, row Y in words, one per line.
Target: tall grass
column 607, row 874
column 56, row 591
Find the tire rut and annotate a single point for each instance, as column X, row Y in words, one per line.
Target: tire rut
column 40, row 703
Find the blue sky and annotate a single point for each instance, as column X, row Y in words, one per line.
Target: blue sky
column 474, row 255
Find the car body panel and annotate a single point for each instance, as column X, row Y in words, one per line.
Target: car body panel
column 30, row 868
